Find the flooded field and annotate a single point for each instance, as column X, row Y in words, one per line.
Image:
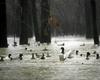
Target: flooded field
column 51, row 68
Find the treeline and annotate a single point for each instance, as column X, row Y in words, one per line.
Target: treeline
column 67, row 17
column 46, row 17
column 14, row 17
column 74, row 16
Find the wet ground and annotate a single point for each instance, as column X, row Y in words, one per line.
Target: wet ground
column 51, row 68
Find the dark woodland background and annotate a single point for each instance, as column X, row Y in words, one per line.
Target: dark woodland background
column 47, row 18
column 72, row 15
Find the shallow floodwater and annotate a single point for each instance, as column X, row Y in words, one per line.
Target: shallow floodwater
column 51, row 68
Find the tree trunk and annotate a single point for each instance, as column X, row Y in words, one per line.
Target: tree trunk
column 3, row 24
column 24, row 26
column 95, row 32
column 45, row 28
column 88, row 15
column 35, row 21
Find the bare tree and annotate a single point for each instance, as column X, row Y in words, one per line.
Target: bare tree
column 3, row 24
column 35, row 21
column 24, row 26
column 88, row 11
column 95, row 32
column 45, row 28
